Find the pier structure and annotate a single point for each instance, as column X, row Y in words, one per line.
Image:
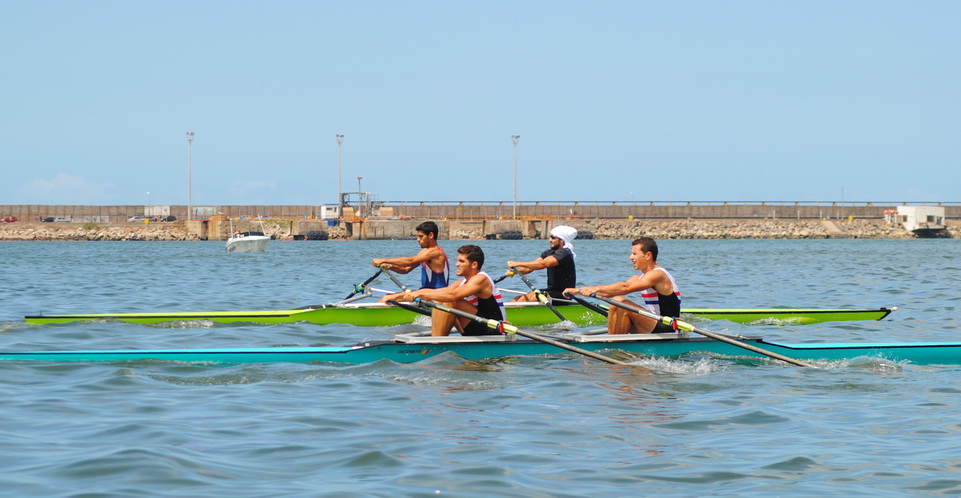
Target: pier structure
column 386, row 220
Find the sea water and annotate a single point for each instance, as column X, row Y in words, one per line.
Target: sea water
column 562, row 425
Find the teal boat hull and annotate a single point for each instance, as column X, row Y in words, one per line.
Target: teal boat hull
column 944, row 353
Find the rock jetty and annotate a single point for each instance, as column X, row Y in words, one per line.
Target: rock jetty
column 744, row 229
column 599, row 228
column 72, row 231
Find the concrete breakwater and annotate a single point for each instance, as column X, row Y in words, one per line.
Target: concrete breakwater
column 746, row 229
column 71, row 231
column 720, row 229
column 394, row 229
column 192, row 230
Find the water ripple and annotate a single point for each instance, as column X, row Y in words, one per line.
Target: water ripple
column 530, row 426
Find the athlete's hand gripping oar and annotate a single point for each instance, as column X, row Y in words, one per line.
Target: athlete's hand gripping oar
column 539, row 294
column 589, row 305
column 358, row 288
column 504, row 327
column 680, row 324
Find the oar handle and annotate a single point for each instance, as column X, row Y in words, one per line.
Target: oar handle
column 681, row 324
column 504, row 327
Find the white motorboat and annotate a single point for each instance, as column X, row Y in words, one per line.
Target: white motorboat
column 248, row 241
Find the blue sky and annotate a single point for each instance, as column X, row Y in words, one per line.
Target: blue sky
column 651, row 101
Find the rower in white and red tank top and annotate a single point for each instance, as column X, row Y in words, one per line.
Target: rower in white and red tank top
column 664, row 305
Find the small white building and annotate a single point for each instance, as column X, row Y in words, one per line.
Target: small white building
column 922, row 220
column 329, row 212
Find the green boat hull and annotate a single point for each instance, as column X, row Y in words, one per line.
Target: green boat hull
column 373, row 315
column 944, row 353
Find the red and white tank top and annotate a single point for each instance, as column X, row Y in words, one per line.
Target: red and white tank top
column 669, row 305
column 492, row 307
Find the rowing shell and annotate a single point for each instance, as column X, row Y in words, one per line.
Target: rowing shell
column 520, row 314
column 409, row 348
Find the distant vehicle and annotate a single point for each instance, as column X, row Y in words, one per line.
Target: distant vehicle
column 10, row 219
column 48, row 219
column 134, row 219
column 61, row 219
column 169, row 218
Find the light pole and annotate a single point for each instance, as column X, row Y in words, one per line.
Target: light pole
column 340, row 195
column 359, row 194
column 190, row 173
column 514, row 139
column 148, row 204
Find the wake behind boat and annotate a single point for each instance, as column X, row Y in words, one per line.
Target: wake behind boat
column 521, row 314
column 410, row 348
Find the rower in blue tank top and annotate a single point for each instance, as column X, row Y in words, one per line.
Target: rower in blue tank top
column 429, row 279
column 475, row 294
column 432, row 260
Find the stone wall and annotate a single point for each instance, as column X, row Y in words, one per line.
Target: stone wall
column 455, row 230
column 491, row 211
column 93, row 231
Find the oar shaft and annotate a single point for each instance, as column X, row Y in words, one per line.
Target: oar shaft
column 395, row 280
column 411, row 307
column 707, row 333
column 589, row 305
column 360, row 288
column 497, row 325
column 545, row 300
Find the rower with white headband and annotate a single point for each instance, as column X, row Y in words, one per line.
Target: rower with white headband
column 559, row 262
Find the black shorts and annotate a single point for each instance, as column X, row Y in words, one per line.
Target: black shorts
column 474, row 328
column 555, row 294
column 663, row 328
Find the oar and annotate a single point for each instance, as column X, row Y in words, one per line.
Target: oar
column 395, row 279
column 411, row 307
column 360, row 287
column 707, row 333
column 510, row 273
column 406, row 306
column 504, row 327
column 589, row 305
column 545, row 300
